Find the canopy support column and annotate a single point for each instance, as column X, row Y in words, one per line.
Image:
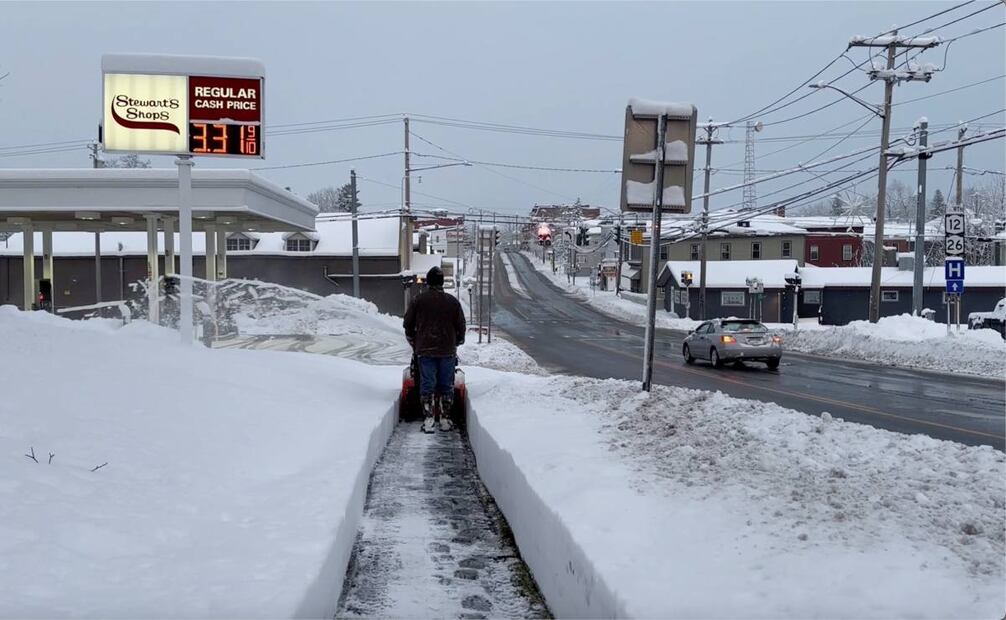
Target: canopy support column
column 29, row 265
column 221, row 255
column 47, row 268
column 153, row 271
column 168, row 224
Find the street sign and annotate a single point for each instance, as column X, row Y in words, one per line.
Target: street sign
column 953, row 269
column 636, row 236
column 954, row 245
column 640, row 158
column 181, row 105
column 954, row 230
column 955, row 287
column 953, row 223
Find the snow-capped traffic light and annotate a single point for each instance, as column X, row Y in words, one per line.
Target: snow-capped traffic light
column 496, row 237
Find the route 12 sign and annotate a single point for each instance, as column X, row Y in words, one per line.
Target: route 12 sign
column 953, row 226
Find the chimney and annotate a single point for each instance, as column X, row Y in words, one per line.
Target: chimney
column 780, row 211
column 906, row 261
column 890, row 257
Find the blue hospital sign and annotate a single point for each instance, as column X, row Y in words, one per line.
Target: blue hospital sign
column 953, row 269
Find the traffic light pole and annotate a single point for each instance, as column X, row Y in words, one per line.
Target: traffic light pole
column 651, row 284
column 489, row 311
column 356, row 235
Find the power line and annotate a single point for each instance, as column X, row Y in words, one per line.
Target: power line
column 328, row 162
column 519, row 166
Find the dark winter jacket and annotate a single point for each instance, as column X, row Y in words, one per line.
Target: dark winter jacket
column 435, row 324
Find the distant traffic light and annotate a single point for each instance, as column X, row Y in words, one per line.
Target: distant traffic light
column 45, row 295
column 686, row 278
column 496, row 238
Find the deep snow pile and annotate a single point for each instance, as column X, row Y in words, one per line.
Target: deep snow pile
column 908, row 341
column 231, row 481
column 684, row 503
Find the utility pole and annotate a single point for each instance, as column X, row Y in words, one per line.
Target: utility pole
column 407, row 213
column 356, row 236
column 959, row 193
column 920, row 221
column 892, row 42
column 709, row 141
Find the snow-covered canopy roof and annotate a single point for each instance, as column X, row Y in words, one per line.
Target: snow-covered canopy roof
column 88, row 199
column 377, row 237
column 731, row 273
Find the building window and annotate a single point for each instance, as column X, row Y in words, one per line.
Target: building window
column 787, row 249
column 812, row 297
column 888, row 295
column 724, row 251
column 238, row 244
column 846, row 251
column 297, row 244
column 756, row 249
column 663, row 252
column 694, row 255
column 731, row 298
column 815, row 252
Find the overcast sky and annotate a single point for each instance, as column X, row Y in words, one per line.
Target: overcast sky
column 567, row 66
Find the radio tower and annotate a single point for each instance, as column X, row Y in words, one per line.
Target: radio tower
column 750, row 199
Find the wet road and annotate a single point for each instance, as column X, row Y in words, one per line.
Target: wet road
column 566, row 335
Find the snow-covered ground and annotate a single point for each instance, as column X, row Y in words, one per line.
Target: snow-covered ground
column 685, row 503
column 234, row 479
column 903, row 341
column 909, row 342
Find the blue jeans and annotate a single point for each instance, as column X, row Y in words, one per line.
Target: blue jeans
column 436, row 375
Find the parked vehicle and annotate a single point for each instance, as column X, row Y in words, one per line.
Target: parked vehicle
column 990, row 320
column 732, row 340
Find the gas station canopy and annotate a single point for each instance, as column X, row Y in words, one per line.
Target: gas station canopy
column 106, row 199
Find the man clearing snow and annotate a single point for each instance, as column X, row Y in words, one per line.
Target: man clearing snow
column 434, row 327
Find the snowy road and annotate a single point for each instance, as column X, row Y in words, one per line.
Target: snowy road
column 432, row 544
column 564, row 334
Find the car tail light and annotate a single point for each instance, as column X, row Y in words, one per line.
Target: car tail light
column 728, row 339
column 776, row 339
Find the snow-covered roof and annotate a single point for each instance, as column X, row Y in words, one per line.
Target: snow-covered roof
column 647, row 107
column 821, row 277
column 733, row 273
column 377, row 237
column 421, row 263
column 87, row 199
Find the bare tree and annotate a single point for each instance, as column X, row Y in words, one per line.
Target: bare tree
column 131, row 160
column 332, row 200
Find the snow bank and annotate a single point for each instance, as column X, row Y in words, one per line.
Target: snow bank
column 234, row 482
column 684, row 503
column 908, row 341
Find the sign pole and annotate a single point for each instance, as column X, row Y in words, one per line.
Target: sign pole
column 651, row 284
column 185, row 164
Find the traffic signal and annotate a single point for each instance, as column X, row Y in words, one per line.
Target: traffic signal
column 45, row 295
column 581, row 236
column 497, row 235
column 686, row 278
column 618, row 234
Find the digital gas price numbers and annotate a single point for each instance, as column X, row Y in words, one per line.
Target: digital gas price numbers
column 224, row 139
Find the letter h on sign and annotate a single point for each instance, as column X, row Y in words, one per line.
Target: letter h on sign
column 953, row 270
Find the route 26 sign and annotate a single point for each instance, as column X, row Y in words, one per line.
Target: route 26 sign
column 953, row 226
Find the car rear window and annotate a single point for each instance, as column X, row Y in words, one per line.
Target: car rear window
column 743, row 326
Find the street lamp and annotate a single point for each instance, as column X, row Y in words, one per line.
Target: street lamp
column 876, row 109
